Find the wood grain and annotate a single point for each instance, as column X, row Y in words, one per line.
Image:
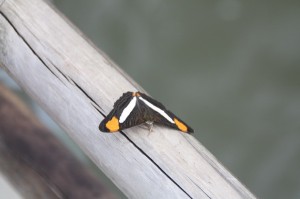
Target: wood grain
column 77, row 85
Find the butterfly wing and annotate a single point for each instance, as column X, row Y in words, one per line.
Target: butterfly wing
column 125, row 114
column 111, row 122
column 178, row 123
column 164, row 117
column 135, row 118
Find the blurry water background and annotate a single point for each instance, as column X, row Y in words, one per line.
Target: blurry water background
column 229, row 68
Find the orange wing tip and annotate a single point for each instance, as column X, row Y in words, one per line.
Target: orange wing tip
column 113, row 124
column 181, row 126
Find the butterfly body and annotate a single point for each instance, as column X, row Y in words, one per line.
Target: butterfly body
column 135, row 108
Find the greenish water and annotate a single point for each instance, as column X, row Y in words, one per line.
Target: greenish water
column 230, row 68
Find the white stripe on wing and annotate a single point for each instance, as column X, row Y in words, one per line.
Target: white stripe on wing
column 155, row 108
column 127, row 110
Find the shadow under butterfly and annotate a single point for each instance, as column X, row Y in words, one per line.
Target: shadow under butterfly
column 136, row 108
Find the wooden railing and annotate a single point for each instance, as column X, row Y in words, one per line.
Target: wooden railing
column 77, row 85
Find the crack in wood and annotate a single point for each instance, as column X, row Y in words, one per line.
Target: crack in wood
column 65, row 76
column 198, row 187
column 85, row 93
column 52, row 72
column 98, row 110
column 27, row 44
column 147, row 156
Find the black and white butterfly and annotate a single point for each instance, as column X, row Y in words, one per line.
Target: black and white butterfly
column 135, row 108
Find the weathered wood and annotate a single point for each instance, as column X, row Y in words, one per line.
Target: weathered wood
column 77, row 85
column 36, row 162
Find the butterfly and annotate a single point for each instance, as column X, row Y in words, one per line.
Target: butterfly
column 136, row 108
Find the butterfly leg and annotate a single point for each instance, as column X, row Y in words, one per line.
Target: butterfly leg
column 147, row 125
column 144, row 126
column 150, row 125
